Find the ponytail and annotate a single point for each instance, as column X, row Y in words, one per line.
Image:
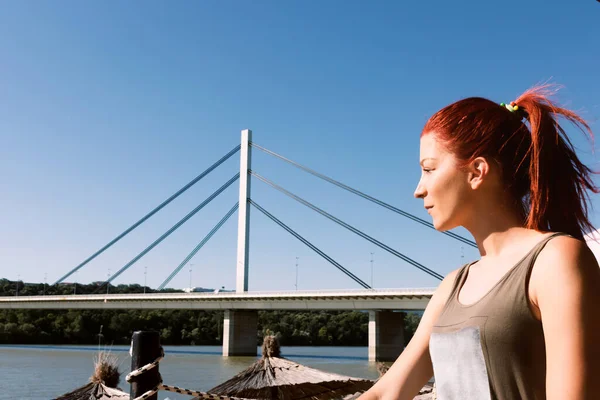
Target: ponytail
column 559, row 181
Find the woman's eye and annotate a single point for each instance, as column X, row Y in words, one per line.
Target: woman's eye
column 427, row 170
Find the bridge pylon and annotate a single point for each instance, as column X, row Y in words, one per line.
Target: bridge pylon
column 239, row 333
column 386, row 335
column 243, row 248
column 239, row 327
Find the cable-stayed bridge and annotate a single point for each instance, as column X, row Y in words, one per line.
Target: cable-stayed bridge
column 385, row 325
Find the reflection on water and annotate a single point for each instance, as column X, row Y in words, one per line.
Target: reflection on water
column 43, row 372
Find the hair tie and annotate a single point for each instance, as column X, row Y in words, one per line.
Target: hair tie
column 512, row 107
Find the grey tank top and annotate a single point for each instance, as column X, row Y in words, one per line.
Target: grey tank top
column 494, row 348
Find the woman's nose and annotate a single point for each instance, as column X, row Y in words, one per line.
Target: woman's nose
column 419, row 191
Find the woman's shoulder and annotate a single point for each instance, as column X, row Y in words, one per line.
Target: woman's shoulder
column 445, row 288
column 564, row 251
column 564, row 261
column 554, row 247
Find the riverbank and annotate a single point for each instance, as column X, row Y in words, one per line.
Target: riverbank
column 184, row 327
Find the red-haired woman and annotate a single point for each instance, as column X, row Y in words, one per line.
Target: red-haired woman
column 522, row 322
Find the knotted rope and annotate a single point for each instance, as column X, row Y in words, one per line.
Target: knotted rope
column 203, row 395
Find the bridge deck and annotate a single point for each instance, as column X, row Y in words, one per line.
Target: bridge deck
column 388, row 299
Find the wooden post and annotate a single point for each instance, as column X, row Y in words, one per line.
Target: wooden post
column 145, row 348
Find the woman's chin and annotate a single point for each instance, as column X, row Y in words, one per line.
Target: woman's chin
column 442, row 225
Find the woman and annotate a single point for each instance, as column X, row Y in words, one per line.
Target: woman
column 523, row 322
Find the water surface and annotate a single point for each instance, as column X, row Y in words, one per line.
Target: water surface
column 44, row 372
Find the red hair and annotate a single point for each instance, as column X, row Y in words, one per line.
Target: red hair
column 540, row 169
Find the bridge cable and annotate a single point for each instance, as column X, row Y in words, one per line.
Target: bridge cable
column 363, row 195
column 350, row 228
column 199, row 246
column 167, row 233
column 151, row 213
column 313, row 247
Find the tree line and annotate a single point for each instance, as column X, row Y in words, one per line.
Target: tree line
column 20, row 288
column 176, row 327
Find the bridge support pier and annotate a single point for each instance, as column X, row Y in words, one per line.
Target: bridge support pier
column 239, row 333
column 386, row 335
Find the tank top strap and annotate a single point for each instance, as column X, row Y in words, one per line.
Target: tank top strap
column 540, row 246
column 529, row 259
column 460, row 278
column 521, row 272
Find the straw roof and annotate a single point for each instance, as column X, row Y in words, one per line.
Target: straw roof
column 94, row 391
column 103, row 382
column 275, row 377
column 427, row 392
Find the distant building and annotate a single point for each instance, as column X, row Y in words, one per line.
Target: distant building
column 205, row 290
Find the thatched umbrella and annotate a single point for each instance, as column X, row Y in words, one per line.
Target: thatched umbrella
column 274, row 377
column 103, row 382
column 427, row 392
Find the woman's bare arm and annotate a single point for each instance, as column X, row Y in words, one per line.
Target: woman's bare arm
column 413, row 368
column 565, row 286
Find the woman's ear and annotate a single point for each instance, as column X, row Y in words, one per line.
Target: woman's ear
column 478, row 169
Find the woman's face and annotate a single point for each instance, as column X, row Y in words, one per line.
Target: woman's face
column 444, row 187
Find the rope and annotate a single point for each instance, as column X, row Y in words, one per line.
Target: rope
column 173, row 229
column 350, row 227
column 149, row 392
column 160, row 386
column 146, row 367
column 363, row 195
column 309, row 244
column 199, row 246
column 175, row 389
column 202, row 395
column 151, row 213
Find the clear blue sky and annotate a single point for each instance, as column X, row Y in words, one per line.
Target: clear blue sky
column 107, row 108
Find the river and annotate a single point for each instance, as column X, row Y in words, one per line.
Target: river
column 44, row 372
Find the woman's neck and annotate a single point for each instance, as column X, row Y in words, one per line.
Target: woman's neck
column 495, row 228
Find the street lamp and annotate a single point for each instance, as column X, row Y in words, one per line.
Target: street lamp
column 18, row 278
column 145, row 273
column 191, row 265
column 297, row 272
column 45, row 279
column 107, row 282
column 372, row 270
